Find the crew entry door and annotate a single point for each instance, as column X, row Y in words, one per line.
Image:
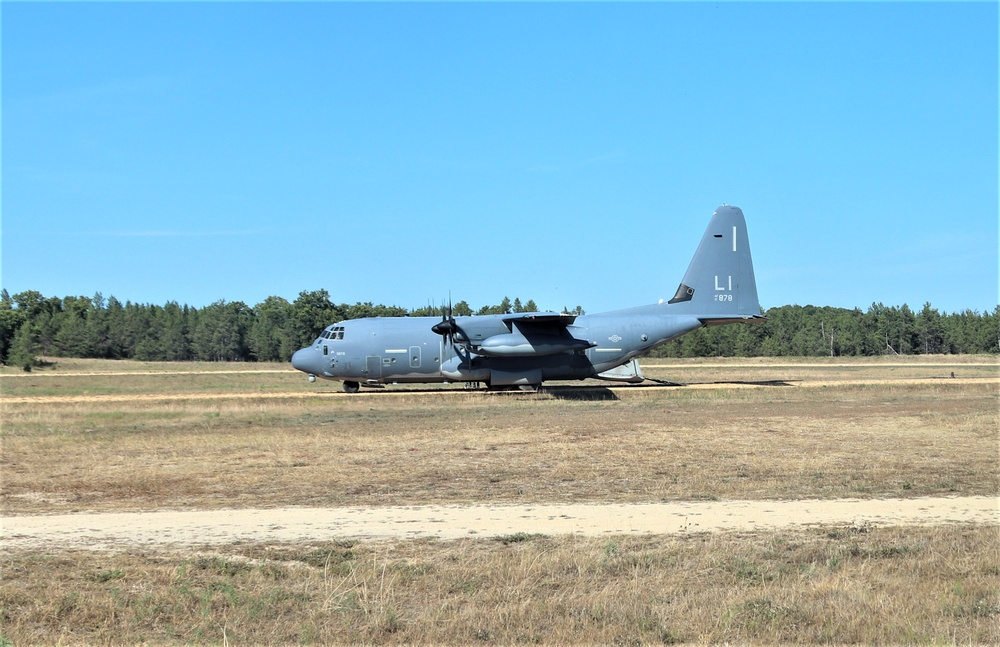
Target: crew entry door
column 374, row 367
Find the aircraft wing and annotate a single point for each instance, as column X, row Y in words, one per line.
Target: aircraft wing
column 550, row 321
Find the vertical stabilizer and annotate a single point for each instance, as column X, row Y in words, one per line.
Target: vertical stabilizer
column 719, row 284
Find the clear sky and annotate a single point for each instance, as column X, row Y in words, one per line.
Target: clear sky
column 567, row 153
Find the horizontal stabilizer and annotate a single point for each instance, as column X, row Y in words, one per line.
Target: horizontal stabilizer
column 718, row 321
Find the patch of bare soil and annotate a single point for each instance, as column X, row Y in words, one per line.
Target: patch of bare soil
column 198, row 527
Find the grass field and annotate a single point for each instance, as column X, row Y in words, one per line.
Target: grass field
column 113, row 436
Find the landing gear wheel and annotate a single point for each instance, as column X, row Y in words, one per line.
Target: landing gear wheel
column 351, row 387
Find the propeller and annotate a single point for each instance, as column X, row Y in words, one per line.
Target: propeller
column 448, row 328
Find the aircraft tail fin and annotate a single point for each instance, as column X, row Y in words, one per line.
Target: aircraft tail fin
column 719, row 285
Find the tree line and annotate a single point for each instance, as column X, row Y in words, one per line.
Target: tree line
column 813, row 331
column 32, row 325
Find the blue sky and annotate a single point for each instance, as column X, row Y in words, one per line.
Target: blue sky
column 567, row 153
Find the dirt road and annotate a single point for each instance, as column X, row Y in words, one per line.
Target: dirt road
column 186, row 528
column 333, row 391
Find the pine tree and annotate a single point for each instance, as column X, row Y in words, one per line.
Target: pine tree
column 24, row 349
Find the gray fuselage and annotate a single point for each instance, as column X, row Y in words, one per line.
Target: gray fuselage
column 405, row 349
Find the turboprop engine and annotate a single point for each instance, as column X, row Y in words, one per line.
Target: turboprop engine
column 518, row 345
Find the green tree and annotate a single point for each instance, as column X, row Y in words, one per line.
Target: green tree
column 505, row 307
column 502, row 308
column 71, row 338
column 41, row 313
column 10, row 320
column 117, row 343
column 270, row 338
column 991, row 337
column 220, row 335
column 929, row 330
column 849, row 332
column 31, row 303
column 148, row 325
column 97, row 331
column 24, row 348
column 367, row 309
column 426, row 311
column 174, row 332
column 311, row 313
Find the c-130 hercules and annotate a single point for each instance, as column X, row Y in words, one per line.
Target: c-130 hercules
column 524, row 349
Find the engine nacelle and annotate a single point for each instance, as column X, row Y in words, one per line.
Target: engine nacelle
column 517, row 345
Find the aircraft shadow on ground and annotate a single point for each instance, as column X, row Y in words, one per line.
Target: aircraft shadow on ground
column 660, row 383
column 593, row 393
column 757, row 382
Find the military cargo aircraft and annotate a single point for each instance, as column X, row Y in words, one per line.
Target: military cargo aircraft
column 522, row 350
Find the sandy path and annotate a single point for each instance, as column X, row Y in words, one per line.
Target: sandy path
column 185, row 528
column 332, row 390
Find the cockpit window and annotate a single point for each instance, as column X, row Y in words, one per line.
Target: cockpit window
column 337, row 332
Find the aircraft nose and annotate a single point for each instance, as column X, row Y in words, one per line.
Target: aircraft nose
column 300, row 360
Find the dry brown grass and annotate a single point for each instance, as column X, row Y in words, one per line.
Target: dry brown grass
column 858, row 585
column 253, row 445
column 249, row 447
